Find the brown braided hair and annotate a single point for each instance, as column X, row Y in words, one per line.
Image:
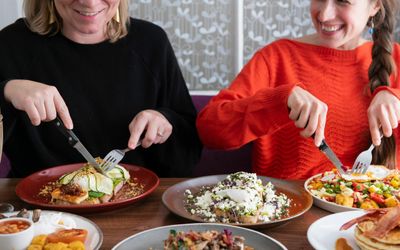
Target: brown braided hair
column 382, row 66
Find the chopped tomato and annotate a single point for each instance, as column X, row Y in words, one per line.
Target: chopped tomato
column 378, row 198
column 358, row 187
column 68, row 236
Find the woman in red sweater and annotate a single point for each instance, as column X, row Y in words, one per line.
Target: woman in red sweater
column 333, row 84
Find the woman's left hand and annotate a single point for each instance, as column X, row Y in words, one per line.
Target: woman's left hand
column 384, row 113
column 156, row 127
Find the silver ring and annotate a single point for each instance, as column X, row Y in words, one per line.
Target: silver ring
column 160, row 134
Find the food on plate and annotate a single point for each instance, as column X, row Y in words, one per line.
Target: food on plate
column 377, row 229
column 13, row 226
column 341, row 244
column 68, row 235
column 239, row 198
column 51, row 230
column 207, row 240
column 58, row 231
column 42, row 242
column 378, row 188
column 87, row 186
column 374, row 172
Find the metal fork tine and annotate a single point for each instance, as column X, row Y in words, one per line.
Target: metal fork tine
column 114, row 157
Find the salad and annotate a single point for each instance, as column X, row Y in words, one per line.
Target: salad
column 208, row 240
column 239, row 198
column 364, row 191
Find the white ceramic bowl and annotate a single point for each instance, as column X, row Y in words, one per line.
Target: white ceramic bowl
column 19, row 240
column 326, row 205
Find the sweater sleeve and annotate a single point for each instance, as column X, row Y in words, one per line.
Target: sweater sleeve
column 250, row 108
column 179, row 154
column 393, row 91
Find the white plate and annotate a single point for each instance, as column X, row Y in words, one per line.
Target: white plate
column 95, row 235
column 329, row 206
column 323, row 233
column 154, row 238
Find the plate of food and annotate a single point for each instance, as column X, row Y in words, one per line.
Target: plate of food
column 372, row 229
column 379, row 187
column 241, row 198
column 199, row 236
column 325, row 233
column 54, row 228
column 80, row 188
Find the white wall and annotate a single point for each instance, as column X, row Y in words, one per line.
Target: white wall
column 10, row 10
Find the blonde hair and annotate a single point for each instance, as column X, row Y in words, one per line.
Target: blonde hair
column 39, row 13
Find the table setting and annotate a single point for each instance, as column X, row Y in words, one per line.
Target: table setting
column 303, row 214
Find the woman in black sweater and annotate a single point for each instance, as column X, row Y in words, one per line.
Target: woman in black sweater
column 111, row 78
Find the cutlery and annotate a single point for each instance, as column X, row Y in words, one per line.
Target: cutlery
column 324, row 147
column 77, row 144
column 364, row 159
column 114, row 157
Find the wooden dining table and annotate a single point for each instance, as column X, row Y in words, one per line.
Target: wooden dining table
column 150, row 212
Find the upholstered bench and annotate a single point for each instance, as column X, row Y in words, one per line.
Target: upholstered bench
column 219, row 161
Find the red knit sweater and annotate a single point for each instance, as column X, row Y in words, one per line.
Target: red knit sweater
column 254, row 108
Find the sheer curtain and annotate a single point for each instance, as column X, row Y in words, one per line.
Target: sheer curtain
column 10, row 10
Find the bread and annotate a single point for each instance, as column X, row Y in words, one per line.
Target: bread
column 59, row 195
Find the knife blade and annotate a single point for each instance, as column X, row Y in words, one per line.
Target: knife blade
column 324, row 148
column 77, row 144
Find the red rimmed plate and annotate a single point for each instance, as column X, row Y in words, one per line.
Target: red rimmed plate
column 29, row 187
column 174, row 198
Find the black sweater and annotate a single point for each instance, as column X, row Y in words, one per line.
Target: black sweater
column 104, row 86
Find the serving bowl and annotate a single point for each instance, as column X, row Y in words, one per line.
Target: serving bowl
column 16, row 233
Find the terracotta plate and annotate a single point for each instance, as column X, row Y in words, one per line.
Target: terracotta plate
column 29, row 187
column 174, row 198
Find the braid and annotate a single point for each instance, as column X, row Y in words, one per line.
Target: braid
column 382, row 66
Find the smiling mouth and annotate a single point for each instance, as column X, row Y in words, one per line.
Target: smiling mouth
column 87, row 13
column 331, row 28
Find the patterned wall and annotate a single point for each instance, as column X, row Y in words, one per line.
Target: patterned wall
column 212, row 39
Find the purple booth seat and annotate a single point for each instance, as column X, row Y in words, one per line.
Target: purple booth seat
column 220, row 161
column 4, row 166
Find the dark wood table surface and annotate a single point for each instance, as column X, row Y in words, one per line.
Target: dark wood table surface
column 150, row 212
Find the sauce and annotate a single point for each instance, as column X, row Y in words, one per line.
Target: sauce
column 341, row 244
column 13, row 226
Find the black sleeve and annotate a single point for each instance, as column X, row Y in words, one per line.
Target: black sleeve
column 179, row 154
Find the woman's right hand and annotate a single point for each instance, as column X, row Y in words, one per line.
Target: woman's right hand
column 308, row 112
column 40, row 101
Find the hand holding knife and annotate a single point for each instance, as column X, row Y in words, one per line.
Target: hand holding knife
column 324, row 148
column 76, row 143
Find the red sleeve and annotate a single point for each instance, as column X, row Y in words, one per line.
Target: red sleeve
column 394, row 91
column 245, row 111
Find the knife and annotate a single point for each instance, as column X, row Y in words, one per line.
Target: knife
column 77, row 144
column 324, row 147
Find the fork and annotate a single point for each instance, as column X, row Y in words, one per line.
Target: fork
column 363, row 161
column 114, row 157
